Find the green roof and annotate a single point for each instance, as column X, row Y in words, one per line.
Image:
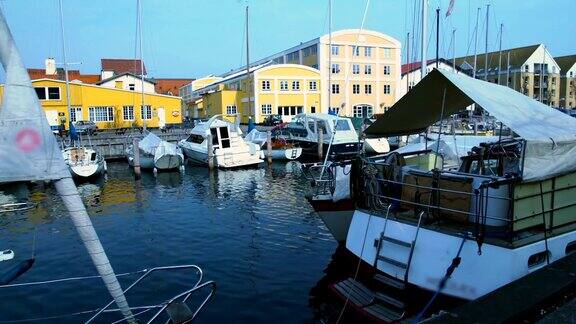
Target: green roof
column 565, row 62
column 518, row 56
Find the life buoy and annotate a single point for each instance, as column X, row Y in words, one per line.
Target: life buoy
column 175, row 113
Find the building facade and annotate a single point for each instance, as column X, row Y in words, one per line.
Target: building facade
column 359, row 71
column 128, row 81
column 108, row 108
column 530, row 70
column 192, row 106
column 283, row 89
column 567, row 81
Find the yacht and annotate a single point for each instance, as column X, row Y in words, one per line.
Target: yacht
column 507, row 211
column 156, row 154
column 337, row 133
column 230, row 149
column 281, row 148
column 84, row 162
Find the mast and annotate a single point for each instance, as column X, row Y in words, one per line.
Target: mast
column 500, row 54
column 142, row 109
column 508, row 70
column 541, row 83
column 329, row 54
column 247, row 71
column 486, row 47
column 408, row 61
column 423, row 61
column 64, row 57
column 454, row 49
column 476, row 43
column 437, row 33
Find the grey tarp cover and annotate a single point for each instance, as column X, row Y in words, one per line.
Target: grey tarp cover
column 550, row 135
column 28, row 149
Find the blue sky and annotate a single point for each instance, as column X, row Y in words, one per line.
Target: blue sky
column 193, row 38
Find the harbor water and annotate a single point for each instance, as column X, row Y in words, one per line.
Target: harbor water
column 250, row 230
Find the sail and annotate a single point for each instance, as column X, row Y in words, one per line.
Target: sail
column 28, row 149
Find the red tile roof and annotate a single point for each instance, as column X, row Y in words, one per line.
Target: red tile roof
column 120, row 66
column 72, row 75
column 170, row 86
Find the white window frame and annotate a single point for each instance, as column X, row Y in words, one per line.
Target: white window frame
column 335, row 69
column 355, row 68
column 388, row 88
column 387, row 69
column 335, row 88
column 335, row 50
column 356, row 89
column 265, row 85
column 266, row 109
column 148, row 115
column 231, row 110
column 127, row 112
column 387, row 52
column 368, row 89
column 368, row 51
column 283, row 85
column 355, row 50
column 74, row 111
column 295, row 85
column 368, row 69
column 313, row 86
column 101, row 114
column 46, row 93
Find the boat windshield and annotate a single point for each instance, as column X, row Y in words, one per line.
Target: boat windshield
column 193, row 138
column 342, row 125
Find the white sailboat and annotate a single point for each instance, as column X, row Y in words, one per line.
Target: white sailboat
column 281, row 149
column 157, row 154
column 230, row 150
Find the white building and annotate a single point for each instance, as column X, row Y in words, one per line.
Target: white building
column 128, row 81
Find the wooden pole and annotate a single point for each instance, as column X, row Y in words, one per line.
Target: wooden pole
column 269, row 146
column 136, row 150
column 210, row 151
column 320, row 144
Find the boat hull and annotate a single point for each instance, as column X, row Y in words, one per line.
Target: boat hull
column 220, row 161
column 84, row 171
column 310, row 149
column 337, row 216
column 477, row 274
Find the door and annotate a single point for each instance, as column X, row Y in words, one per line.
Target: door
column 161, row 117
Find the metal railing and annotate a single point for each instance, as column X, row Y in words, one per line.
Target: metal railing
column 160, row 308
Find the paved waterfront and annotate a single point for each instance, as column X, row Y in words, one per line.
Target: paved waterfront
column 250, row 230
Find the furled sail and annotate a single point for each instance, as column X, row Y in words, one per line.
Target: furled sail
column 29, row 151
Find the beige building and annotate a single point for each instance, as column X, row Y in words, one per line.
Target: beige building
column 567, row 81
column 530, row 70
column 360, row 72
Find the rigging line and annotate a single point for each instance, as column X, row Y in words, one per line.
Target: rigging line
column 35, row 283
column 35, row 319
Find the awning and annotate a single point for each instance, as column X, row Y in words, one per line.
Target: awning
column 550, row 135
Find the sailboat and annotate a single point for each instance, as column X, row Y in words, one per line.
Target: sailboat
column 29, row 152
column 83, row 162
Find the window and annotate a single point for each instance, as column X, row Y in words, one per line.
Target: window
column 387, row 88
column 312, row 85
column 75, row 114
column 295, row 85
column 48, row 93
column 290, row 110
column 336, row 110
column 335, row 68
column 266, row 109
column 310, row 50
column 363, row 111
column 335, row 49
column 131, row 86
column 387, row 52
column 101, row 114
column 335, row 88
column 386, row 69
column 313, row 109
column 293, row 57
column 356, row 50
column 571, row 74
column 265, row 85
column 356, row 69
column 146, row 112
column 284, row 85
column 342, row 125
column 128, row 112
column 231, row 110
column 526, row 67
column 356, row 88
column 368, row 51
column 368, row 69
column 368, row 88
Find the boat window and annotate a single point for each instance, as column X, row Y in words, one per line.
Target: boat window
column 571, row 247
column 198, row 139
column 224, row 132
column 214, row 133
column 322, row 126
column 293, row 110
column 490, row 167
column 224, row 137
column 93, row 156
column 537, row 259
column 342, row 125
column 311, row 126
column 225, row 143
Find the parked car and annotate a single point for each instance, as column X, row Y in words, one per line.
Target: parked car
column 85, row 127
column 273, row 120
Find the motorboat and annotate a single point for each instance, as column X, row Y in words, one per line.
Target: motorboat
column 84, row 162
column 156, row 154
column 507, row 210
column 281, row 148
column 230, row 150
column 338, row 135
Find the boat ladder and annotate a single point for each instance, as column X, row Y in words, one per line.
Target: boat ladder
column 174, row 310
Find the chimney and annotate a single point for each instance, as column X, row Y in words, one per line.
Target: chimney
column 50, row 64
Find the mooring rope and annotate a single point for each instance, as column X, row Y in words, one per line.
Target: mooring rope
column 34, row 283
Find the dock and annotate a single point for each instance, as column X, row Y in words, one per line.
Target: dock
column 523, row 299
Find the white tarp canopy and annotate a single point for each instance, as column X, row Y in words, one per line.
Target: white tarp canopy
column 155, row 146
column 550, row 135
column 257, row 137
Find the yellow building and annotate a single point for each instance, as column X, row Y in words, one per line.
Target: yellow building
column 283, row 89
column 109, row 108
column 189, row 104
